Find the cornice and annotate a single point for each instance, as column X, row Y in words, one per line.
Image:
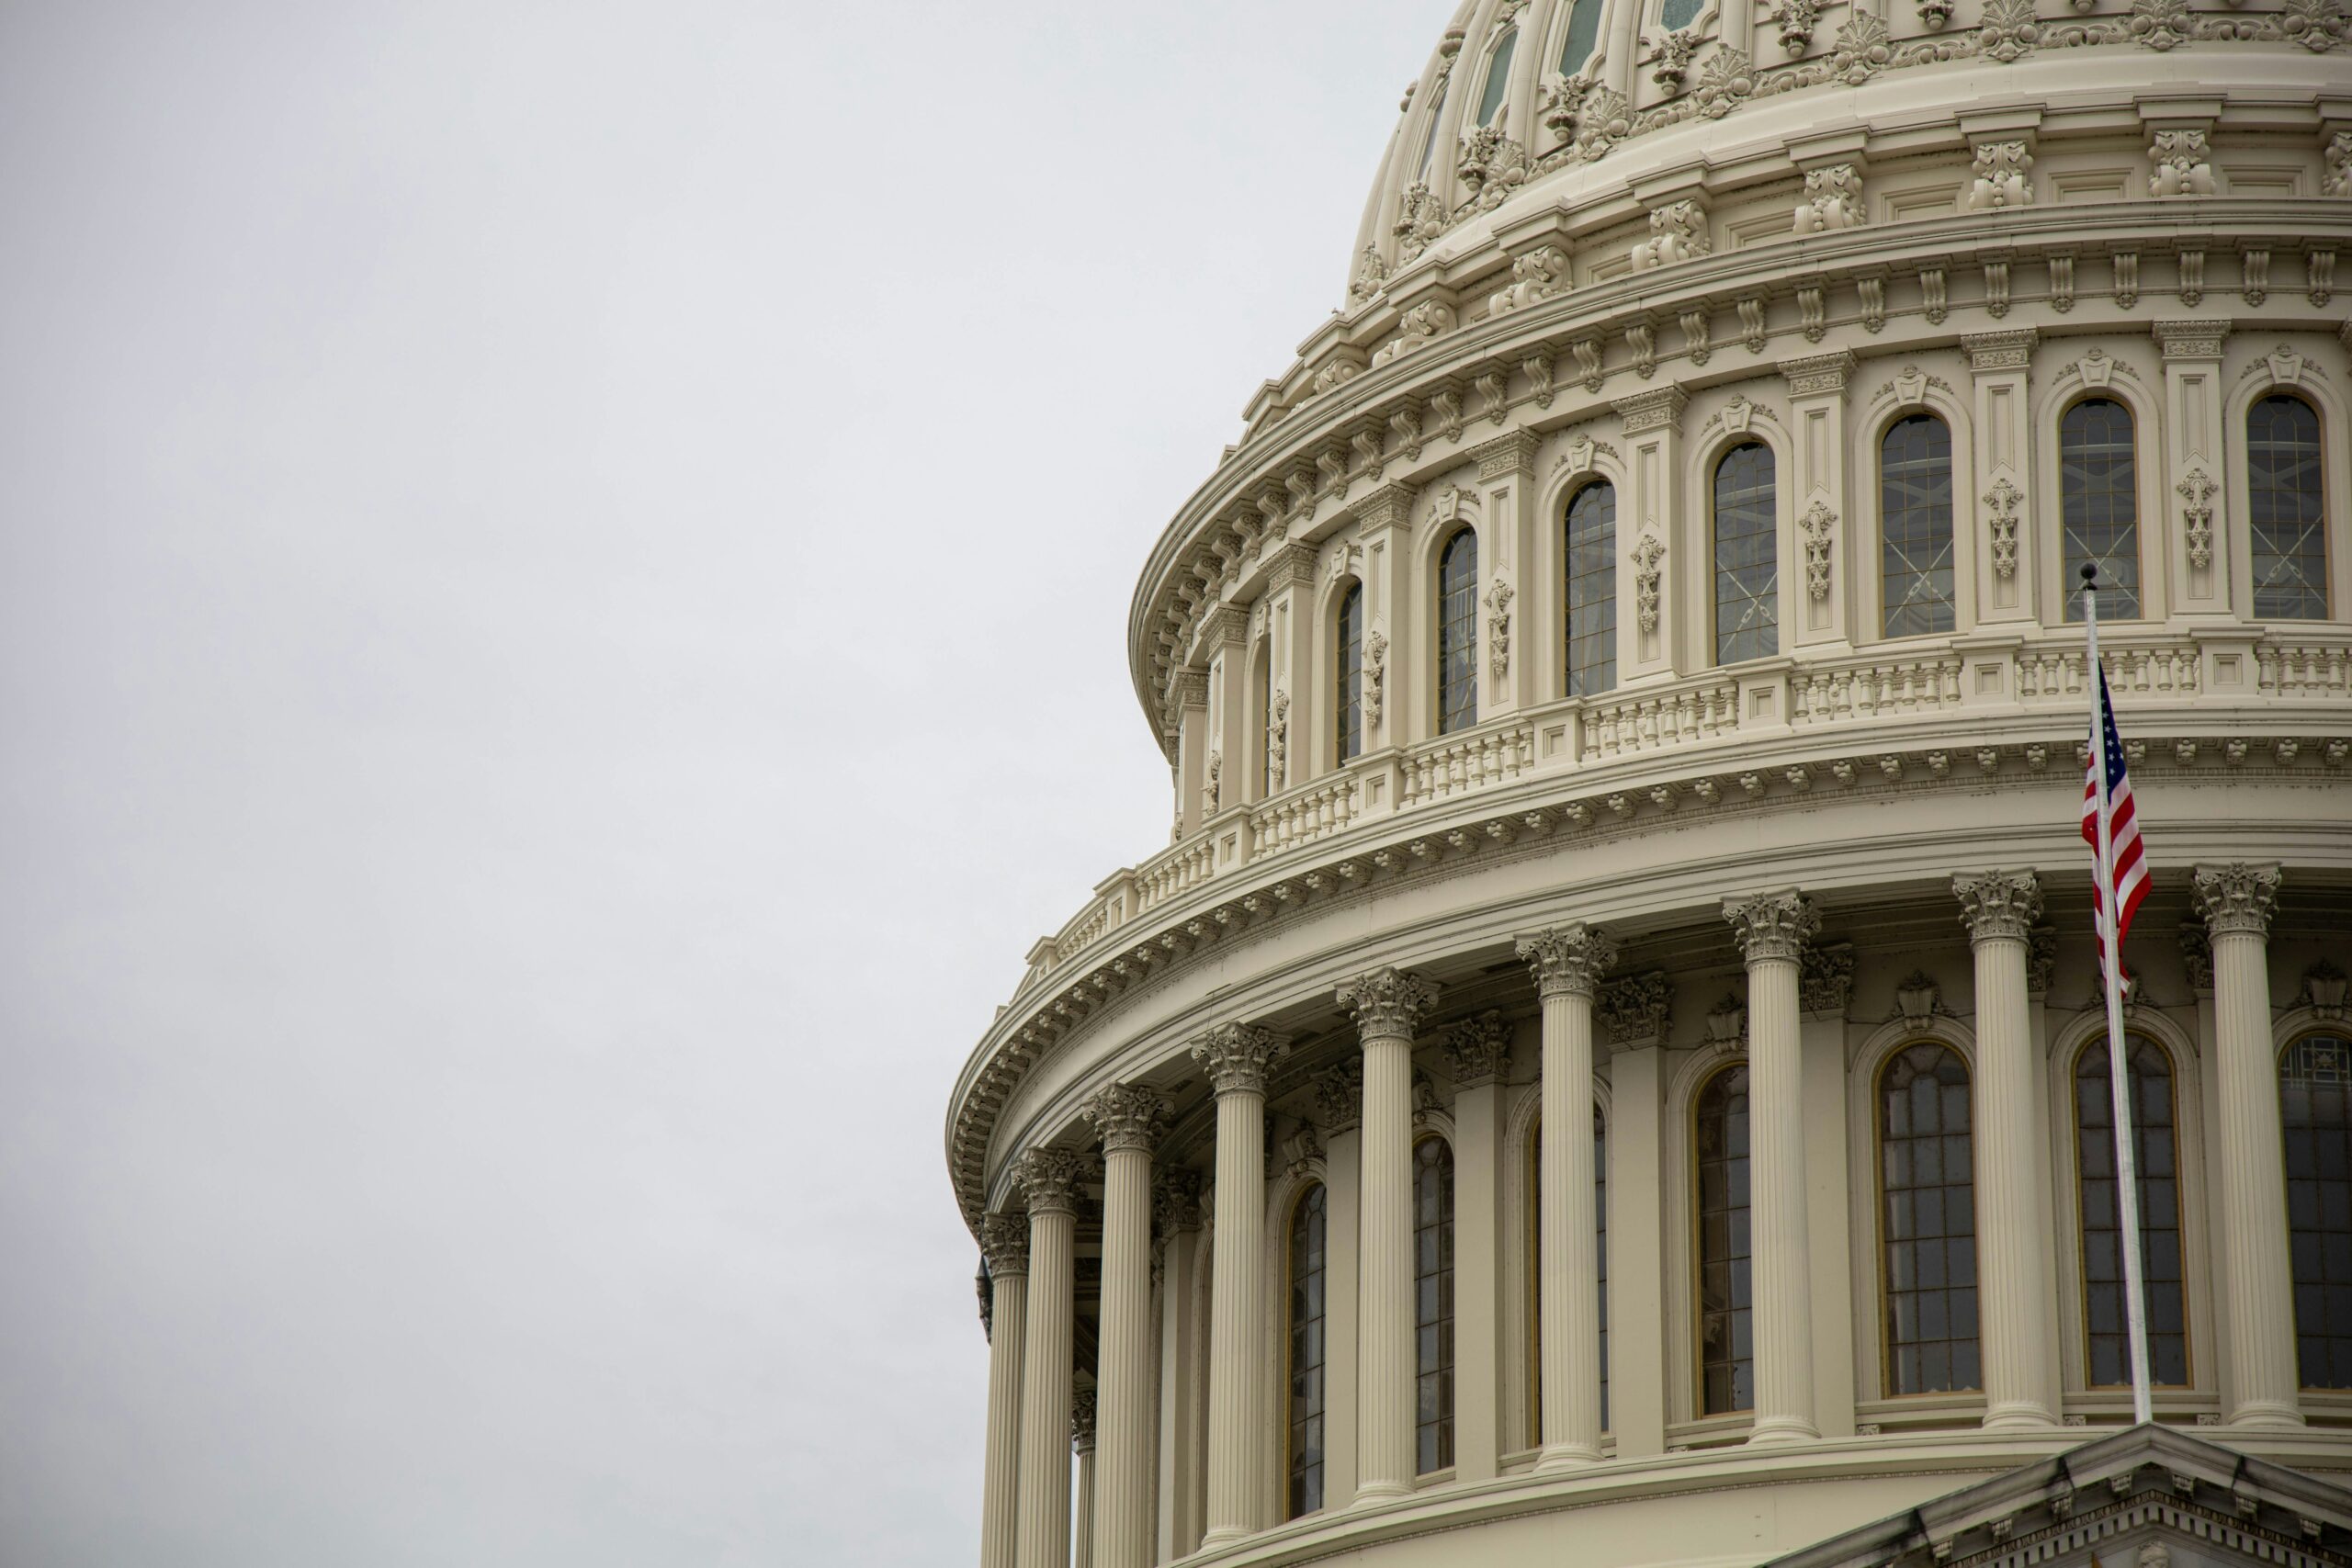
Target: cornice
column 1649, row 794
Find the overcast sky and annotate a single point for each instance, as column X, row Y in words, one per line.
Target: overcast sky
column 565, row 572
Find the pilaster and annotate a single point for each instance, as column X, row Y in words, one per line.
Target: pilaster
column 1176, row 1210
column 1634, row 1013
column 1508, row 590
column 1651, row 642
column 2195, row 479
column 2000, row 528
column 1819, row 602
column 1478, row 1048
column 1384, row 526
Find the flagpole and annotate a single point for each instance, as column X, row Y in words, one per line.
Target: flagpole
column 2127, row 1175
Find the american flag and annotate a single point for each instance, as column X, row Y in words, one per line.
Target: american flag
column 2131, row 865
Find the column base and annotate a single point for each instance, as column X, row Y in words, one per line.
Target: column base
column 1223, row 1535
column 2264, row 1414
column 2022, row 1417
column 1567, row 1456
column 1781, row 1429
column 1372, row 1493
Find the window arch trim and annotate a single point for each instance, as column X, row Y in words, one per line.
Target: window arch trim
column 2059, row 584
column 1467, row 617
column 1882, row 414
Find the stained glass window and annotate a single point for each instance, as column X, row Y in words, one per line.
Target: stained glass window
column 1915, row 522
column 1306, row 1284
column 2315, row 1112
column 1928, row 1222
column 1350, row 696
column 1433, row 1304
column 2156, row 1154
column 1457, row 633
column 1726, row 1288
column 1748, row 600
column 2099, row 506
column 2283, row 507
column 1591, row 549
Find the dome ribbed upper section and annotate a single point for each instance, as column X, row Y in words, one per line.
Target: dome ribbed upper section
column 1518, row 91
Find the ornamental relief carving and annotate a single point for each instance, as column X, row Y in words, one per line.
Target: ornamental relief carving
column 1498, row 597
column 1647, row 554
column 2196, row 491
column 1818, row 526
column 2001, row 503
column 1832, row 199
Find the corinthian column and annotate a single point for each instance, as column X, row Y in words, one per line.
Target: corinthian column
column 1387, row 1004
column 2012, row 1250
column 2237, row 902
column 1049, row 1178
column 1082, row 1444
column 1128, row 1119
column 1004, row 1239
column 1771, row 929
column 1568, row 962
column 1237, row 1056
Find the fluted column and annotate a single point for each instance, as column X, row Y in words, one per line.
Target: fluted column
column 2237, row 902
column 1005, row 1240
column 1771, row 929
column 1388, row 1005
column 1568, row 962
column 2012, row 1249
column 1128, row 1119
column 1176, row 1212
column 1082, row 1407
column 1237, row 1056
column 1049, row 1180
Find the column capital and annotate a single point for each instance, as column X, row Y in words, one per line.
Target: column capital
column 1004, row 1242
column 1568, row 960
column 1771, row 925
column 1989, row 352
column 1998, row 905
column 2190, row 339
column 1081, row 1421
column 1477, row 1050
column 1176, row 1202
column 1389, row 1001
column 1049, row 1178
column 1126, row 1116
column 1635, row 1010
column 1237, row 1056
column 2238, row 898
column 1339, row 1095
column 1825, row 977
column 2197, row 956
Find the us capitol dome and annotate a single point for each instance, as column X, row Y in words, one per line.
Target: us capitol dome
column 1610, row 1066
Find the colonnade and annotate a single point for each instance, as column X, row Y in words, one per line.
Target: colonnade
column 1027, row 1498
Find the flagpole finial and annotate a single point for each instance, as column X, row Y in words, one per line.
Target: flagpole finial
column 2090, row 574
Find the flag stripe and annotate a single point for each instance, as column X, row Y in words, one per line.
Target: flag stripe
column 2126, row 855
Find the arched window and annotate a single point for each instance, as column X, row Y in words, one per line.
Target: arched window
column 1269, row 781
column 1306, row 1426
column 1349, row 698
column 2099, row 506
column 1457, row 633
column 1726, row 1291
column 1748, row 599
column 1914, row 526
column 2315, row 1112
column 1584, row 31
column 2156, row 1154
column 1928, row 1220
column 1591, row 552
column 1490, row 101
column 1437, row 115
column 2283, row 506
column 1676, row 15
column 1536, row 1266
column 1433, row 1304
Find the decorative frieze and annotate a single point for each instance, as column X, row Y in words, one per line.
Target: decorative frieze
column 1477, row 1050
column 1568, row 960
column 1237, row 1056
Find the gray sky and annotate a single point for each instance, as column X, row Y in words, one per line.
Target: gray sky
column 564, row 576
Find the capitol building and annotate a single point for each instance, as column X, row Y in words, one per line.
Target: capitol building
column 1609, row 1068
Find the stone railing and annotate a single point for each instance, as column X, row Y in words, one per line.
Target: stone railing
column 1314, row 811
column 1456, row 764
column 1828, row 694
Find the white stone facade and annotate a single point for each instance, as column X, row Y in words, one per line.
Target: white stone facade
column 1875, row 323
